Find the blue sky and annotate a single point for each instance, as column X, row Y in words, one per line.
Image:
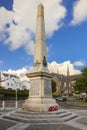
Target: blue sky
column 66, row 32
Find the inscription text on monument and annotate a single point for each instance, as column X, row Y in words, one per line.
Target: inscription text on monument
column 35, row 87
column 47, row 87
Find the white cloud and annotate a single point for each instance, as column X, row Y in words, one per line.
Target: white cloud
column 21, row 73
column 79, row 63
column 5, row 17
column 62, row 68
column 22, row 22
column 30, row 47
column 53, row 67
column 79, row 12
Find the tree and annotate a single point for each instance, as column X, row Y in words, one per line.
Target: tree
column 24, row 87
column 53, row 83
column 81, row 82
column 2, row 87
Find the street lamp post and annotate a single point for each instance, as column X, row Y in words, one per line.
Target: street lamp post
column 16, row 96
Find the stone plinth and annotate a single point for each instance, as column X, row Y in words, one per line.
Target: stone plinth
column 40, row 94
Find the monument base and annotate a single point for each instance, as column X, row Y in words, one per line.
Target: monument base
column 40, row 93
column 40, row 105
column 37, row 117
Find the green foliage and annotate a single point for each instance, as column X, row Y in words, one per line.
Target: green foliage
column 84, row 71
column 81, row 82
column 11, row 93
column 86, row 99
column 55, row 95
column 53, row 83
column 1, row 88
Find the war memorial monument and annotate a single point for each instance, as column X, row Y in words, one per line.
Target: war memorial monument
column 40, row 107
column 40, row 94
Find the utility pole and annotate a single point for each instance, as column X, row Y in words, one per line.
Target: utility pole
column 0, row 79
column 16, row 94
column 67, row 79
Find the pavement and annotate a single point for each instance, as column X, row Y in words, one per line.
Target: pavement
column 79, row 123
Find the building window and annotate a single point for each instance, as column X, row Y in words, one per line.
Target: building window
column 7, row 84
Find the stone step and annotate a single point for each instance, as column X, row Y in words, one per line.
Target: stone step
column 34, row 116
column 70, row 117
column 61, row 111
column 41, row 118
column 30, row 116
column 64, row 114
column 37, row 113
column 25, row 120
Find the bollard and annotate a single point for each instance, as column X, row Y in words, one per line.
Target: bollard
column 3, row 105
column 16, row 104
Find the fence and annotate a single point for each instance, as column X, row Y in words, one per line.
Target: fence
column 6, row 105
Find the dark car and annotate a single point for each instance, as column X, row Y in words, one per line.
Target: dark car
column 70, row 94
column 63, row 98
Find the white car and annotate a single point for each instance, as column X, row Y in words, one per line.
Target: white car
column 63, row 98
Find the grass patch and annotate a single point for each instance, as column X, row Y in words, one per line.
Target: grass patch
column 83, row 102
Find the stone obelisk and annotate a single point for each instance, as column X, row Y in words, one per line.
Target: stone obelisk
column 40, row 53
column 40, row 94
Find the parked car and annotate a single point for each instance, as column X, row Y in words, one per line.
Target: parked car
column 70, row 94
column 63, row 98
column 82, row 96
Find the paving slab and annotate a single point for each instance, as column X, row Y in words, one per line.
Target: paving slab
column 4, row 124
column 82, row 121
column 19, row 126
column 79, row 123
column 51, row 127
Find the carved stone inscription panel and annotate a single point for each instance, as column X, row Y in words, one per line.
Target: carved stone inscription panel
column 47, row 88
column 35, row 87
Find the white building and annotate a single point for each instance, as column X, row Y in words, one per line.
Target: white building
column 12, row 82
column 25, row 85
